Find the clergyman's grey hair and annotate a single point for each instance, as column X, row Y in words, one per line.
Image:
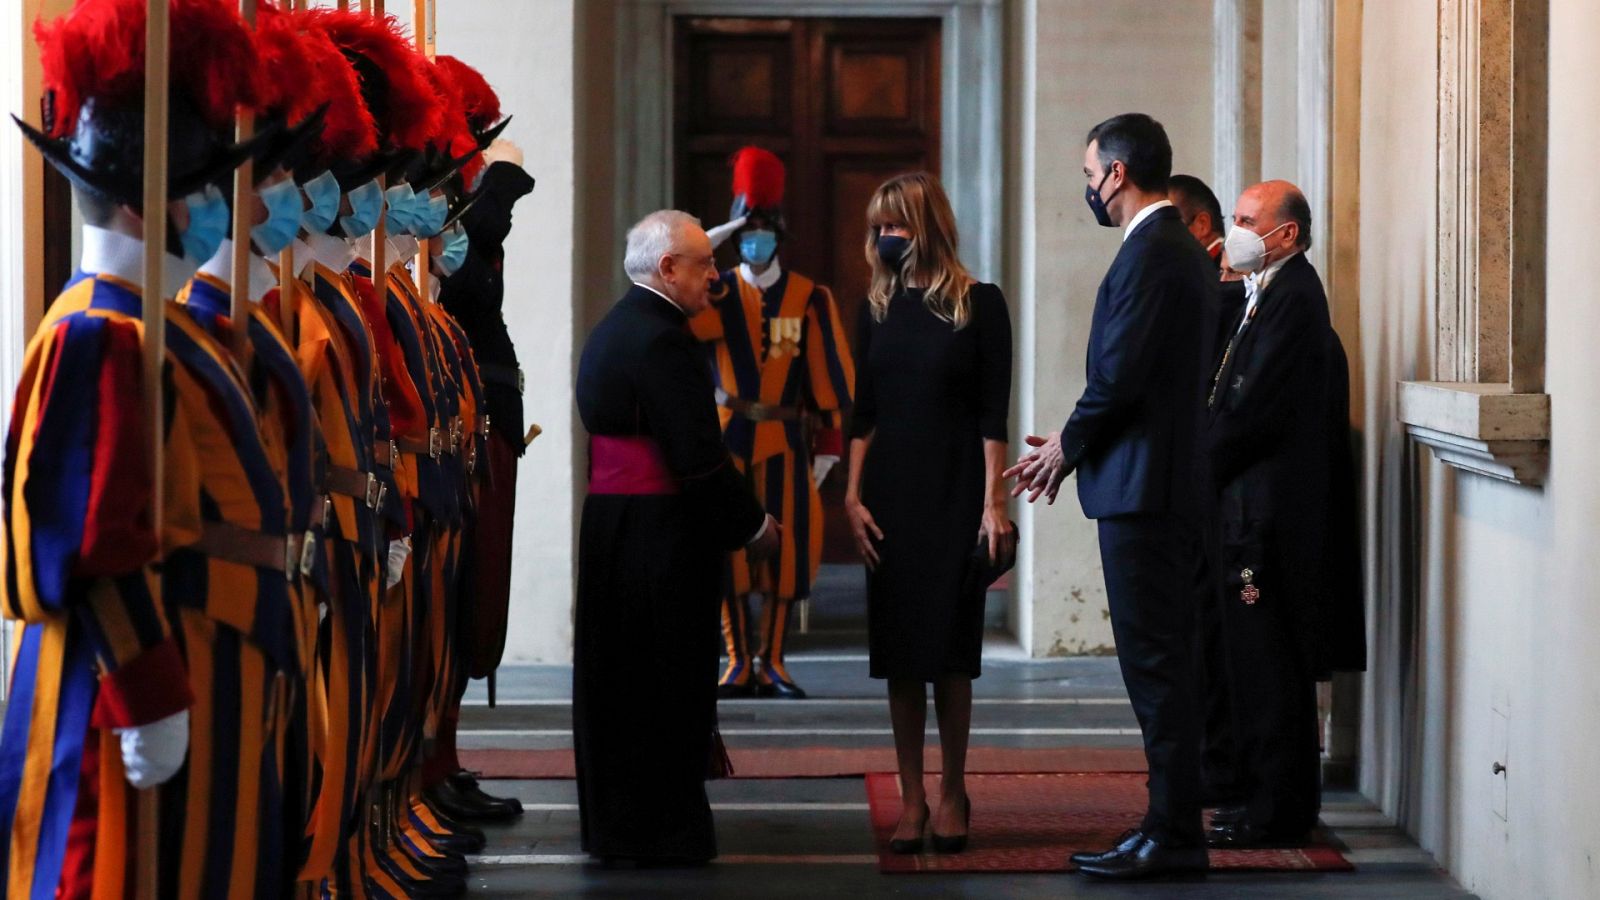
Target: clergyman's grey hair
column 652, row 238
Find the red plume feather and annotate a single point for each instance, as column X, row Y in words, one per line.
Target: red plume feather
column 758, row 176
column 452, row 115
column 289, row 79
column 413, row 107
column 348, row 131
column 97, row 50
column 481, row 102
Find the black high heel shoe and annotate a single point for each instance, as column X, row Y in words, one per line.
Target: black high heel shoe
column 957, row 842
column 911, row 846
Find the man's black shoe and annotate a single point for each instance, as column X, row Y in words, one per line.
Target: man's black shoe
column 466, row 784
column 1151, row 859
column 781, row 689
column 736, row 691
column 1229, row 814
column 1242, row 835
column 1127, row 843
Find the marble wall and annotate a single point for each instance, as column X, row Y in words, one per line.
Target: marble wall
column 1077, row 62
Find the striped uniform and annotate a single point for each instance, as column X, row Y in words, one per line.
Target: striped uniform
column 784, row 349
column 227, row 612
column 339, row 691
column 358, row 564
column 293, row 440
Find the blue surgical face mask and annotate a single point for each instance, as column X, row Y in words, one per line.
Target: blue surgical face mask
column 323, row 192
column 399, row 200
column 282, row 201
column 757, row 246
column 209, row 218
column 366, row 205
column 428, row 215
column 454, row 251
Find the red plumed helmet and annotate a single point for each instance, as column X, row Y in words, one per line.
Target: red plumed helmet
column 404, row 105
column 481, row 102
column 348, row 131
column 289, row 78
column 758, row 177
column 97, row 50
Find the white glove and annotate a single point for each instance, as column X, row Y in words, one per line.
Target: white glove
column 398, row 551
column 722, row 232
column 153, row 753
column 821, row 466
column 502, row 150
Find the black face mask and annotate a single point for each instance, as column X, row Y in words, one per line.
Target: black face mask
column 1097, row 204
column 892, row 251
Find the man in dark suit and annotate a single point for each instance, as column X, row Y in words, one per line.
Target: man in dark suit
column 1132, row 440
column 1286, row 543
column 1202, row 215
column 665, row 503
column 1201, row 212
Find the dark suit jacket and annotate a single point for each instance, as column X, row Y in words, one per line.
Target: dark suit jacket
column 1280, row 453
column 1132, row 436
column 643, row 373
column 475, row 294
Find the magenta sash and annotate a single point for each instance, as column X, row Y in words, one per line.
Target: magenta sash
column 633, row 464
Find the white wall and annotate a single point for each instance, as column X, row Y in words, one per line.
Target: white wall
column 1489, row 593
column 525, row 48
column 1080, row 62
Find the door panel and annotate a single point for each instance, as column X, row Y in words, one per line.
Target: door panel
column 846, row 103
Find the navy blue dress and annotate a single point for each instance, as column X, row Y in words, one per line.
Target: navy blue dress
column 929, row 395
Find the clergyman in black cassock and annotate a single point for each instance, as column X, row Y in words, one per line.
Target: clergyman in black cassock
column 1287, row 548
column 665, row 503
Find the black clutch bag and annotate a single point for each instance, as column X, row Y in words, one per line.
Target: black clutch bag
column 983, row 571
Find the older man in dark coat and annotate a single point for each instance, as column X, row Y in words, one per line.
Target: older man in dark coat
column 665, row 503
column 1286, row 543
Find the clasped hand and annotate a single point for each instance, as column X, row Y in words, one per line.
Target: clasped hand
column 1040, row 471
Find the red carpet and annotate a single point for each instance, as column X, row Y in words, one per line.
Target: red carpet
column 1032, row 823
column 826, row 762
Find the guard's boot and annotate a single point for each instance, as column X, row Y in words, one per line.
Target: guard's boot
column 466, row 786
column 738, row 679
column 773, row 679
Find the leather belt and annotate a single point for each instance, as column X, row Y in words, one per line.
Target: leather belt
column 758, row 412
column 385, row 453
column 235, row 544
column 363, row 486
column 483, row 425
column 457, row 432
column 505, row 376
column 432, row 447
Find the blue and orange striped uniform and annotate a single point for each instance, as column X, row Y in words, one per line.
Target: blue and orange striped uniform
column 784, row 351
column 359, row 564
column 337, row 692
column 293, row 439
column 226, row 609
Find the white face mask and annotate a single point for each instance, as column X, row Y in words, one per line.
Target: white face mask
column 1247, row 251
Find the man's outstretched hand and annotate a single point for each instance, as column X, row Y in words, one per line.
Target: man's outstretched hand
column 1040, row 471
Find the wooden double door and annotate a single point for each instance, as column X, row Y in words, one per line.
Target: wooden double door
column 846, row 103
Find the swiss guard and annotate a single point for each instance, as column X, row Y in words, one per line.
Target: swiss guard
column 784, row 378
column 112, row 690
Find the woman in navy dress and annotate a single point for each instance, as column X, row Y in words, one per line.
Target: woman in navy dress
column 928, row 444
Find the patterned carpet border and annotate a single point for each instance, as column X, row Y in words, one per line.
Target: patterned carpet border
column 1033, row 822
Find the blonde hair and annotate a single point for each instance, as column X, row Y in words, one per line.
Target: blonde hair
column 917, row 201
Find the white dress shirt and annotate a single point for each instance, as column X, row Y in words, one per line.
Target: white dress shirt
column 1256, row 282
column 1143, row 214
